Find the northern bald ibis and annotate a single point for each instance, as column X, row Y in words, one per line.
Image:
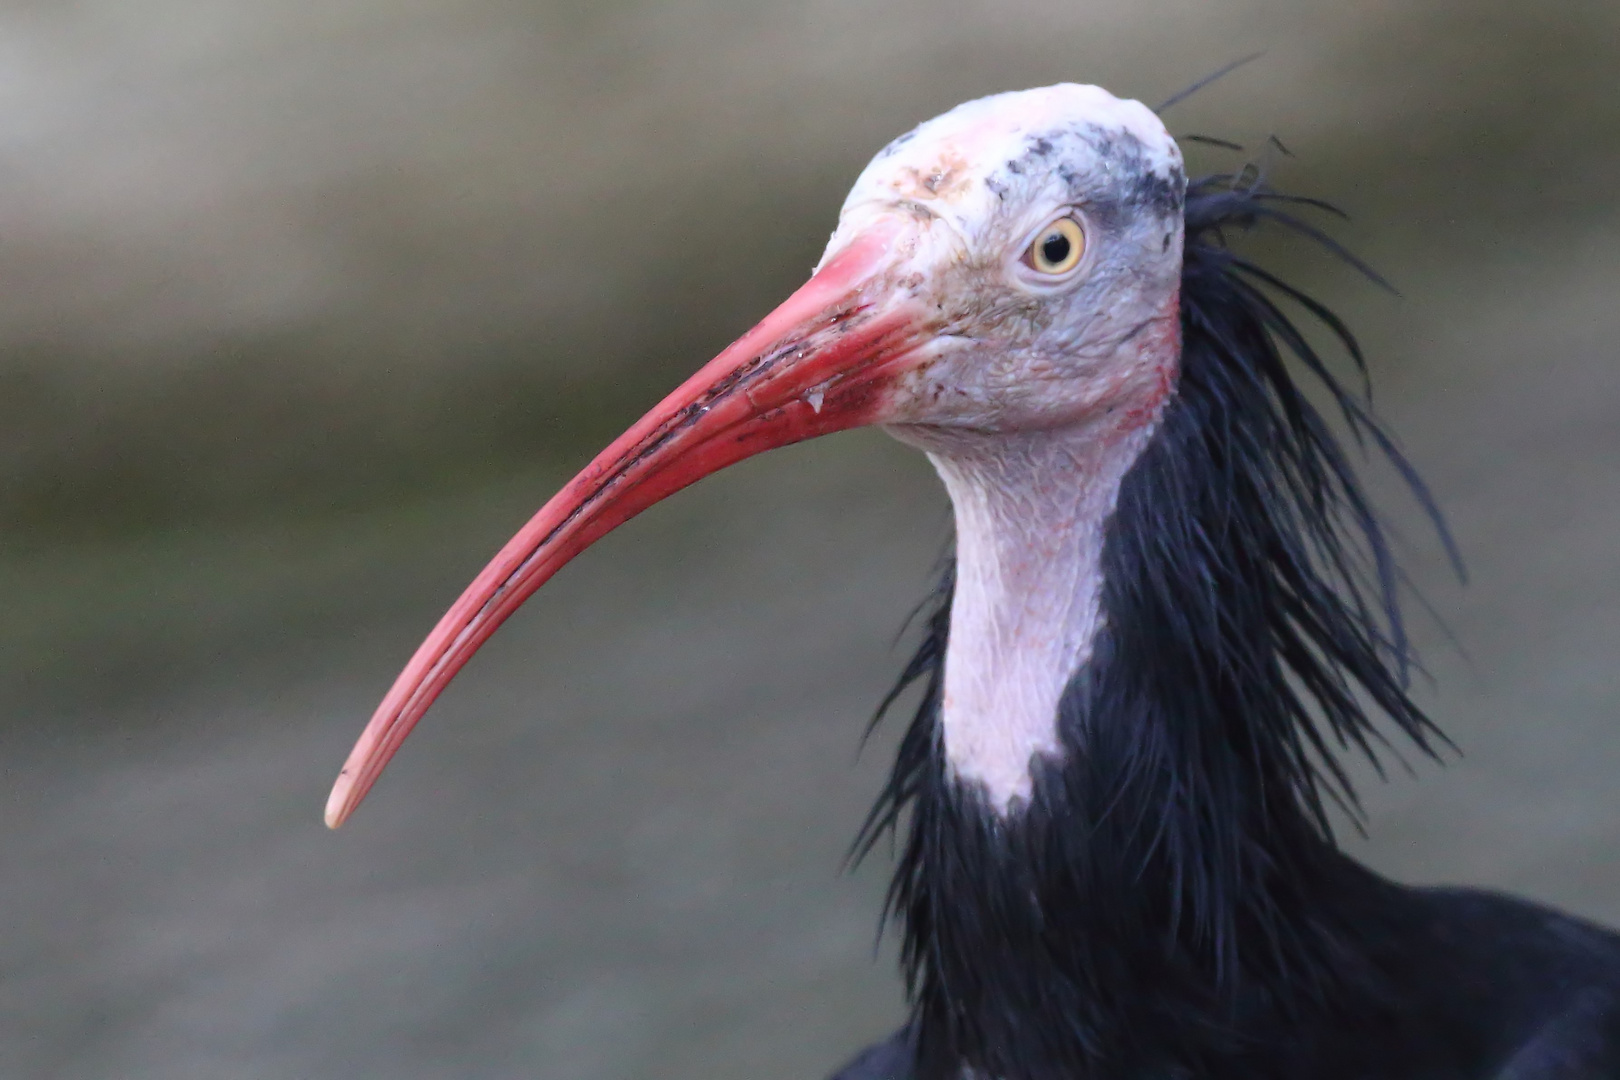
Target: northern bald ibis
column 1171, row 603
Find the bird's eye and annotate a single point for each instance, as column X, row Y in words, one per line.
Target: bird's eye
column 1057, row 248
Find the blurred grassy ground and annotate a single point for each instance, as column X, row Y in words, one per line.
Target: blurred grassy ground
column 307, row 309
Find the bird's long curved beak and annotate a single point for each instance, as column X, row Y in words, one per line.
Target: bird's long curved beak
column 819, row 363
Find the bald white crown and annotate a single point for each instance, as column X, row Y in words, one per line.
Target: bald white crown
column 988, row 165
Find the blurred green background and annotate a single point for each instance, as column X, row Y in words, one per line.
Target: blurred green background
column 307, row 307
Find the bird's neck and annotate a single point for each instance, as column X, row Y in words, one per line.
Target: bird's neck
column 1110, row 863
column 1031, row 510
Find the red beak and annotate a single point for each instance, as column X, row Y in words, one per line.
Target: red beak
column 819, row 363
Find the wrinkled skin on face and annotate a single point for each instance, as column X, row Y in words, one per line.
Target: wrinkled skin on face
column 1011, row 349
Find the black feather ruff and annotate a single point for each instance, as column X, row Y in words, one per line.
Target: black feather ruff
column 1172, row 894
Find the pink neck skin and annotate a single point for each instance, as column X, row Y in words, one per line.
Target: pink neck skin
column 1031, row 512
column 1030, row 521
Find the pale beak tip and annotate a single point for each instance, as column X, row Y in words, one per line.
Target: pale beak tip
column 337, row 804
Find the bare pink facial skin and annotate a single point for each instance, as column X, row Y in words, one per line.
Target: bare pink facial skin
column 1032, row 392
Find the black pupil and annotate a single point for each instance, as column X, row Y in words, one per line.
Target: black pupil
column 1055, row 248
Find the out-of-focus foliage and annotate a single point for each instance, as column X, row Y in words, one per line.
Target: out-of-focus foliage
column 263, row 256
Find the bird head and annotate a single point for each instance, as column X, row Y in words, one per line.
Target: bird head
column 1033, row 238
column 1010, row 266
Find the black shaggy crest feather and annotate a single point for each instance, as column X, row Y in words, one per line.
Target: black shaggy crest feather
column 1172, row 892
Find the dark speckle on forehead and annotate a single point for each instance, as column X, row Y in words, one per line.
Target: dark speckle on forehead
column 917, row 210
column 1106, row 168
column 1163, row 194
column 1144, row 187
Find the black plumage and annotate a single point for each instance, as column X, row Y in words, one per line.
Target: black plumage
column 1171, row 902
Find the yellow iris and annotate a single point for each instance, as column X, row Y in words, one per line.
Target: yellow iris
column 1058, row 247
